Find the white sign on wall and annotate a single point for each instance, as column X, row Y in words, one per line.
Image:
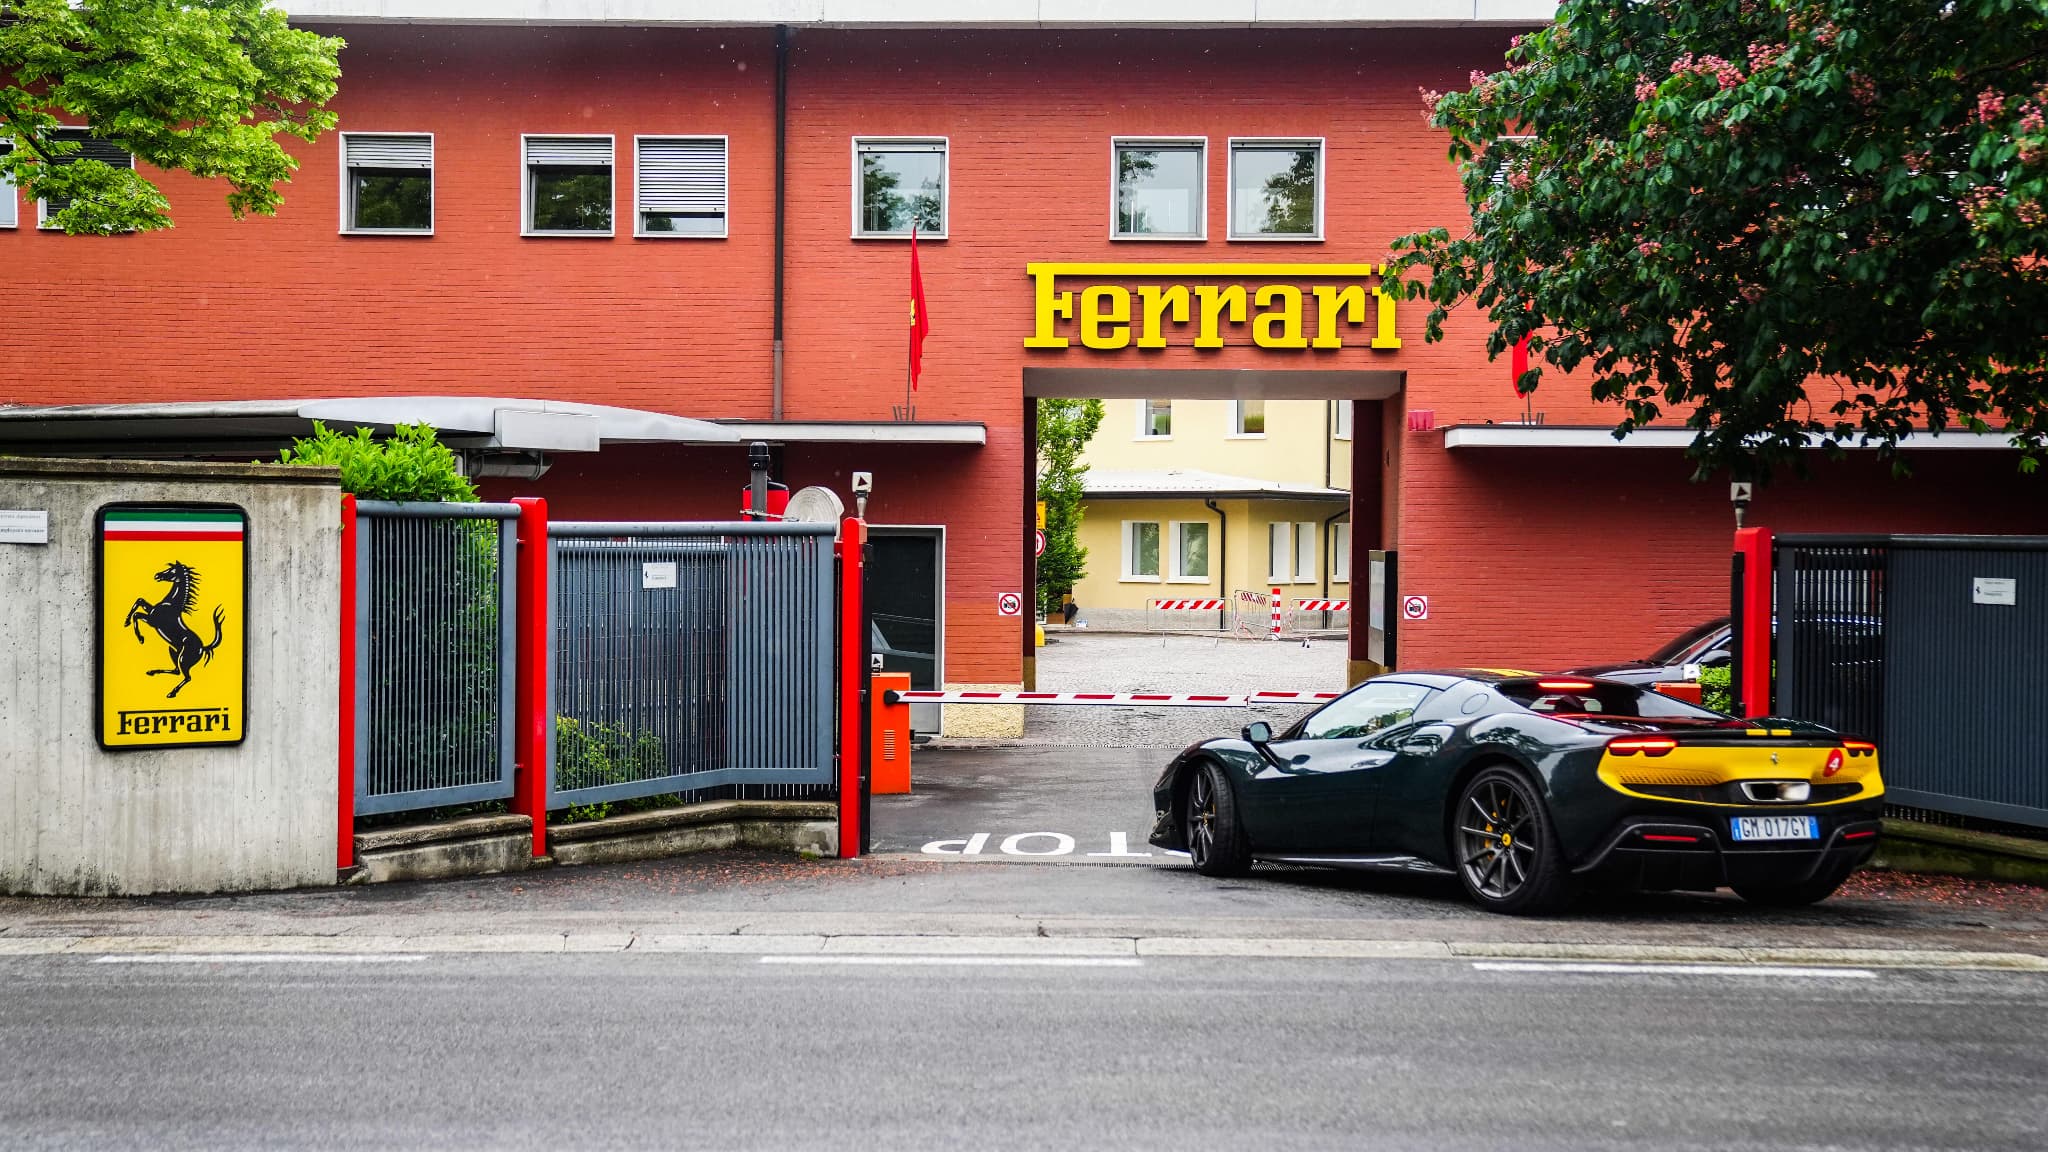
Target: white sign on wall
column 1994, row 590
column 1009, row 604
column 1414, row 607
column 24, row 527
column 658, row 574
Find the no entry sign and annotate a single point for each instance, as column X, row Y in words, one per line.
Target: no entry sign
column 1414, row 607
column 1009, row 604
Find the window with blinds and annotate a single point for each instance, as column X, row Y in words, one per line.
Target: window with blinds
column 679, row 185
column 89, row 148
column 568, row 185
column 9, row 202
column 388, row 182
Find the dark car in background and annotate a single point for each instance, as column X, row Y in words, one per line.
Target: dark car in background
column 1709, row 645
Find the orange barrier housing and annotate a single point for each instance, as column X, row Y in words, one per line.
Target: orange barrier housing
column 1686, row 690
column 889, row 758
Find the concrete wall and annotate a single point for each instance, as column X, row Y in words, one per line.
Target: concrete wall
column 80, row 820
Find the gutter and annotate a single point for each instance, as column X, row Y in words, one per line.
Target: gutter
column 1222, row 563
column 781, row 208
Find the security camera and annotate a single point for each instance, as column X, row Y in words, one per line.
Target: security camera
column 863, row 483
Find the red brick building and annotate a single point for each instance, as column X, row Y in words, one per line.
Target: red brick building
column 1538, row 545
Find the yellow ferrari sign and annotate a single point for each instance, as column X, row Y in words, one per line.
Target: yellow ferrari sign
column 172, row 628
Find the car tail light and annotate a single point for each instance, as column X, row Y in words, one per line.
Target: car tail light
column 1647, row 745
column 1859, row 747
column 1834, row 763
column 1866, row 834
column 1566, row 685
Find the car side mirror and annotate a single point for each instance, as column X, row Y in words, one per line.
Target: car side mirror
column 1258, row 733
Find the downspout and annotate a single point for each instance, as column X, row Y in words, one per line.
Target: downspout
column 1330, row 556
column 781, row 166
column 1222, row 563
column 1329, row 434
column 1329, row 447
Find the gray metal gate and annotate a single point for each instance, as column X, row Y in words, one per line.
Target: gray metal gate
column 434, row 642
column 687, row 656
column 1934, row 646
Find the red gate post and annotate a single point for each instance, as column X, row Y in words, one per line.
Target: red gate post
column 853, row 538
column 345, row 771
column 532, row 740
column 1752, row 680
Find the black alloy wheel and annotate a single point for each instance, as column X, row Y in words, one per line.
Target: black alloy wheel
column 1507, row 853
column 1216, row 843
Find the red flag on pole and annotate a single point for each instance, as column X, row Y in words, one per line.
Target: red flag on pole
column 1520, row 362
column 920, row 322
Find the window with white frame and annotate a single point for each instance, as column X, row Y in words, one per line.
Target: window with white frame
column 898, row 183
column 1248, row 418
column 1191, row 551
column 1340, row 551
column 1342, row 424
column 1159, row 189
column 1276, row 189
column 89, row 148
column 1155, row 419
column 1141, row 549
column 568, row 185
column 9, row 203
column 1305, row 552
column 679, row 186
column 387, row 182
column 1280, row 552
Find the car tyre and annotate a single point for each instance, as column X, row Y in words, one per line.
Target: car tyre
column 1798, row 893
column 1210, row 827
column 1506, row 849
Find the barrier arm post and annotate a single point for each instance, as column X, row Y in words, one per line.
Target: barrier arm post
column 532, row 739
column 1753, row 631
column 851, row 548
column 345, row 770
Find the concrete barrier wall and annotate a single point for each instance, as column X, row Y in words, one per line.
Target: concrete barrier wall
column 77, row 819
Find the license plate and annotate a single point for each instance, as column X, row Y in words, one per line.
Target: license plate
column 1776, row 827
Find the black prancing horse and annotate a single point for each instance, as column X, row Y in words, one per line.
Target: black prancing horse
column 167, row 616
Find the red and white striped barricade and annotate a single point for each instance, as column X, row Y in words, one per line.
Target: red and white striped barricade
column 1248, row 612
column 1321, row 605
column 1118, row 699
column 1214, row 604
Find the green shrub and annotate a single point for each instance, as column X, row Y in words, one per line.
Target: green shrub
column 592, row 754
column 410, row 465
column 1717, row 688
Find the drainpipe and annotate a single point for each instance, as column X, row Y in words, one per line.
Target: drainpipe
column 781, row 165
column 1330, row 557
column 1329, row 435
column 1222, row 563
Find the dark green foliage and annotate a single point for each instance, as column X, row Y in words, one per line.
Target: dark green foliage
column 395, row 200
column 1717, row 690
column 1064, row 429
column 589, row 754
column 1774, row 218
column 411, row 465
column 203, row 86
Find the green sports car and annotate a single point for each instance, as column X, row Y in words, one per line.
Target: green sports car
column 1528, row 787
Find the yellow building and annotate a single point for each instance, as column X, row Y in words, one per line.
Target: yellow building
column 1193, row 499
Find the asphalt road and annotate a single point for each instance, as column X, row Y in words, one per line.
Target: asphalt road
column 733, row 1052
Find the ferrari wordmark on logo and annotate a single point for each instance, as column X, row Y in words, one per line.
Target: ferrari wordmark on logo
column 172, row 582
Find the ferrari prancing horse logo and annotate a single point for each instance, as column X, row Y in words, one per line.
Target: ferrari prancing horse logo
column 172, row 626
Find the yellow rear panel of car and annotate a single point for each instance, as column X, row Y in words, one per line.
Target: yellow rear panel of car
column 1707, row 766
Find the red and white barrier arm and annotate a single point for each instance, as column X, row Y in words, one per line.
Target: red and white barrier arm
column 1118, row 699
column 1188, row 605
column 1322, row 605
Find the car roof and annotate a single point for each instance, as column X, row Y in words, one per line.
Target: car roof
column 1446, row 677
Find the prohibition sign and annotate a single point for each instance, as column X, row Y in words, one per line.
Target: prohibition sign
column 1414, row 607
column 1009, row 604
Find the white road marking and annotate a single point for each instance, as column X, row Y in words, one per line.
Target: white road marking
column 1674, row 969
column 1120, row 845
column 966, row 961
column 1062, row 844
column 971, row 846
column 258, row 958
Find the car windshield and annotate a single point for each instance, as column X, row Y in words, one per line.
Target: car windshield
column 1672, row 652
column 1572, row 697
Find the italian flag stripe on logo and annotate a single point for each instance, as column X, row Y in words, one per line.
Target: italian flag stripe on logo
column 172, row 524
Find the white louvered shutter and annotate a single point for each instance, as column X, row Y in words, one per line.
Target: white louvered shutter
column 388, row 151
column 681, row 176
column 89, row 148
column 569, row 151
column 9, row 203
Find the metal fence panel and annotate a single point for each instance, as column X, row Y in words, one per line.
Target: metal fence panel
column 687, row 657
column 435, row 642
column 1829, row 621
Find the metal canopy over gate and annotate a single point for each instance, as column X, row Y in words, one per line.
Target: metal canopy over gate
column 1931, row 645
column 686, row 656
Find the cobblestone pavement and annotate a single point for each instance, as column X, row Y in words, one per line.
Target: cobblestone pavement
column 1084, row 662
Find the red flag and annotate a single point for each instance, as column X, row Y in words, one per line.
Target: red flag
column 920, row 322
column 1520, row 361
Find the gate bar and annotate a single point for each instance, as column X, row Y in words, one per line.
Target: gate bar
column 607, row 529
column 853, row 537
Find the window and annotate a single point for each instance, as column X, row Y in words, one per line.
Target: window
column 679, row 186
column 1159, row 187
column 1279, row 552
column 568, row 185
column 9, row 202
column 1250, row 418
column 1305, row 552
column 1155, row 419
column 1141, row 550
column 1276, row 189
column 1340, row 553
column 1191, row 551
column 387, row 182
column 1342, row 424
column 1502, row 156
column 898, row 182
column 1373, row 706
column 112, row 155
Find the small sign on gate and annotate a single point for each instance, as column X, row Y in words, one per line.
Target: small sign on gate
column 658, row 574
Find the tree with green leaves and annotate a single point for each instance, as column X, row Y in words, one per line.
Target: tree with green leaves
column 412, row 464
column 1778, row 219
column 202, row 86
column 1064, row 429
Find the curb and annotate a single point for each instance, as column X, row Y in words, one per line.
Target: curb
column 1910, row 846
